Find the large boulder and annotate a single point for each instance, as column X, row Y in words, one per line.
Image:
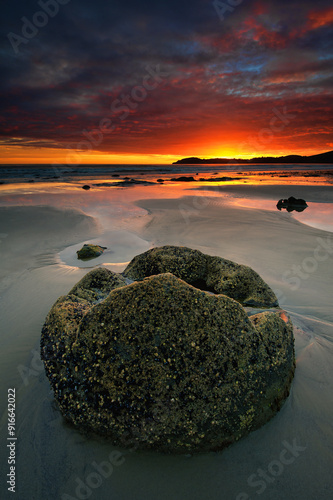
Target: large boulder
column 214, row 274
column 164, row 364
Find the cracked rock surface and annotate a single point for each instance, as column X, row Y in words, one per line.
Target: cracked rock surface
column 164, row 364
column 214, row 274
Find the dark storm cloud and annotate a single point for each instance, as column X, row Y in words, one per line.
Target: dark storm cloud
column 65, row 78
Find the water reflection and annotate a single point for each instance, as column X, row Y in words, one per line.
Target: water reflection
column 318, row 215
column 117, row 208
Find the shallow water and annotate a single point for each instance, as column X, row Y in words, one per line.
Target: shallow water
column 289, row 458
column 318, row 215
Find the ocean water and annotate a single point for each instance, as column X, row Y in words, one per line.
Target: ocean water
column 56, row 172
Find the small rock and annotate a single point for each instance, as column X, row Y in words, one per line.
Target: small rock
column 183, row 179
column 291, row 204
column 89, row 251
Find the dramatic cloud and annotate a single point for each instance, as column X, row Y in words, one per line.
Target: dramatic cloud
column 167, row 78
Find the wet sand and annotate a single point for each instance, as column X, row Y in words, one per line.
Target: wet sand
column 291, row 457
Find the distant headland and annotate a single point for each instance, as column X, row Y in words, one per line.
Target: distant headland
column 319, row 158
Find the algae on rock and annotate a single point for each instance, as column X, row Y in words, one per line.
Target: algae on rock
column 89, row 251
column 203, row 271
column 163, row 363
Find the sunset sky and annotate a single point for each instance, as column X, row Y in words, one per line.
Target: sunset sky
column 151, row 82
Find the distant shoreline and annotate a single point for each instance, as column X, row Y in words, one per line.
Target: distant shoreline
column 290, row 159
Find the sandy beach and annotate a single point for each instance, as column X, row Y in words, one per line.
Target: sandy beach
column 188, row 147
column 39, row 238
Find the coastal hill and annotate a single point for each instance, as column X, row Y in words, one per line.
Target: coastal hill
column 319, row 158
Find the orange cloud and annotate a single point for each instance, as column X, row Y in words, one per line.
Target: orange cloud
column 317, row 19
column 296, row 77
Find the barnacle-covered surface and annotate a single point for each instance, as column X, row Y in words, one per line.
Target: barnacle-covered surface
column 165, row 364
column 89, row 251
column 97, row 284
column 206, row 272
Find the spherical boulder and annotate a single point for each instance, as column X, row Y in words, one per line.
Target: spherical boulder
column 164, row 364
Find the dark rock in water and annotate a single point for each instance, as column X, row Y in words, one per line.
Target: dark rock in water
column 123, row 183
column 160, row 180
column 221, row 179
column 163, row 364
column 183, row 179
column 89, row 251
column 217, row 179
column 105, row 184
column 86, row 187
column 291, row 204
column 130, row 182
column 203, row 271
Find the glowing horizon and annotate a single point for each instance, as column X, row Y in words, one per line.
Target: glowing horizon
column 126, row 88
column 16, row 156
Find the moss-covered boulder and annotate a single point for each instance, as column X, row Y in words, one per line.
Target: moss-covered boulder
column 203, row 271
column 97, row 284
column 89, row 251
column 164, row 364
